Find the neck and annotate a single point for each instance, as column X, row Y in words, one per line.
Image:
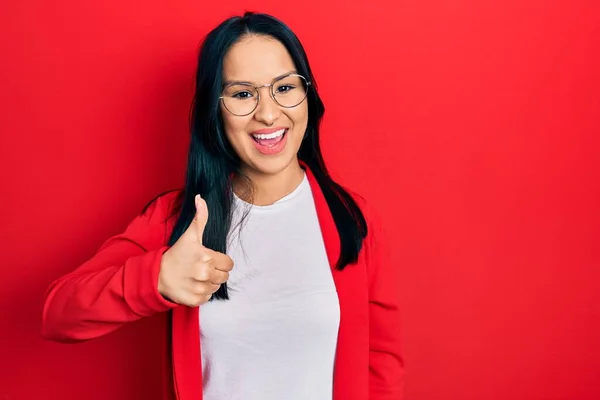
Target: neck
column 268, row 188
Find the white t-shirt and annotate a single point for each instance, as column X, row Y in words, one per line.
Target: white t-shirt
column 275, row 339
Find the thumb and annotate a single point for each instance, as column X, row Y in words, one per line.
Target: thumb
column 201, row 216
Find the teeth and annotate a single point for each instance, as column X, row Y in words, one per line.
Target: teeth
column 270, row 135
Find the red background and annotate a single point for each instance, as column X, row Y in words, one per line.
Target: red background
column 472, row 125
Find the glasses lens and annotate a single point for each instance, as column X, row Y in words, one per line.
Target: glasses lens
column 290, row 91
column 240, row 99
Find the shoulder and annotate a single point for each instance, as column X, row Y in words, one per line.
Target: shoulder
column 375, row 235
column 164, row 206
column 369, row 211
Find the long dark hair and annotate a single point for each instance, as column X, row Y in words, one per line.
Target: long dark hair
column 212, row 161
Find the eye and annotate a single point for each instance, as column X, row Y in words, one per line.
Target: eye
column 284, row 88
column 242, row 95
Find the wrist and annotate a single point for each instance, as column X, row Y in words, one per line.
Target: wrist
column 165, row 259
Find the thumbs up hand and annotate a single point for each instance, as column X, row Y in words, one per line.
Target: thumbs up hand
column 189, row 272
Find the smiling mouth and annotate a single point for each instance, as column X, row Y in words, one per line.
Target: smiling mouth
column 269, row 139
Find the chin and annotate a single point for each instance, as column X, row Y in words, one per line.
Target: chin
column 274, row 166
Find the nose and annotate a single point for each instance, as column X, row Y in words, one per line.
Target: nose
column 267, row 111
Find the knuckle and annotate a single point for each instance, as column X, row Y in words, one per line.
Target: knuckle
column 199, row 289
column 225, row 276
column 220, row 277
column 205, row 256
column 203, row 274
column 213, row 288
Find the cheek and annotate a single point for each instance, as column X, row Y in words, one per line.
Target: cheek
column 234, row 126
column 228, row 121
column 300, row 115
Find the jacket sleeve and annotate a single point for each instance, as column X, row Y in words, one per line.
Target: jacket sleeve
column 118, row 284
column 386, row 363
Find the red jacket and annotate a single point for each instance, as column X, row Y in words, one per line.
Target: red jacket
column 119, row 284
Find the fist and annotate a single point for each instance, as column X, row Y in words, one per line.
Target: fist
column 189, row 272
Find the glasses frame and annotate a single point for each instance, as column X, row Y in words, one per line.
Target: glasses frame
column 270, row 86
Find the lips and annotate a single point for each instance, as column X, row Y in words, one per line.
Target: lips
column 268, row 135
column 270, row 141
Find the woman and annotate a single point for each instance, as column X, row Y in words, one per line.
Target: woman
column 274, row 274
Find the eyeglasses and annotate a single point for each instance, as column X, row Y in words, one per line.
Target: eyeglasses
column 241, row 98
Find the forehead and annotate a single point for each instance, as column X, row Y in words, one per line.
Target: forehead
column 257, row 59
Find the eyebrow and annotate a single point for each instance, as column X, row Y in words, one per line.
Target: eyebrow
column 234, row 82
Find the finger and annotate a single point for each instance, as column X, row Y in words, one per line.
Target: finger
column 222, row 262
column 210, row 275
column 201, row 216
column 218, row 277
column 203, row 288
column 193, row 300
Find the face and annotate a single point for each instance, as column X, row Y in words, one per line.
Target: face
column 257, row 138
